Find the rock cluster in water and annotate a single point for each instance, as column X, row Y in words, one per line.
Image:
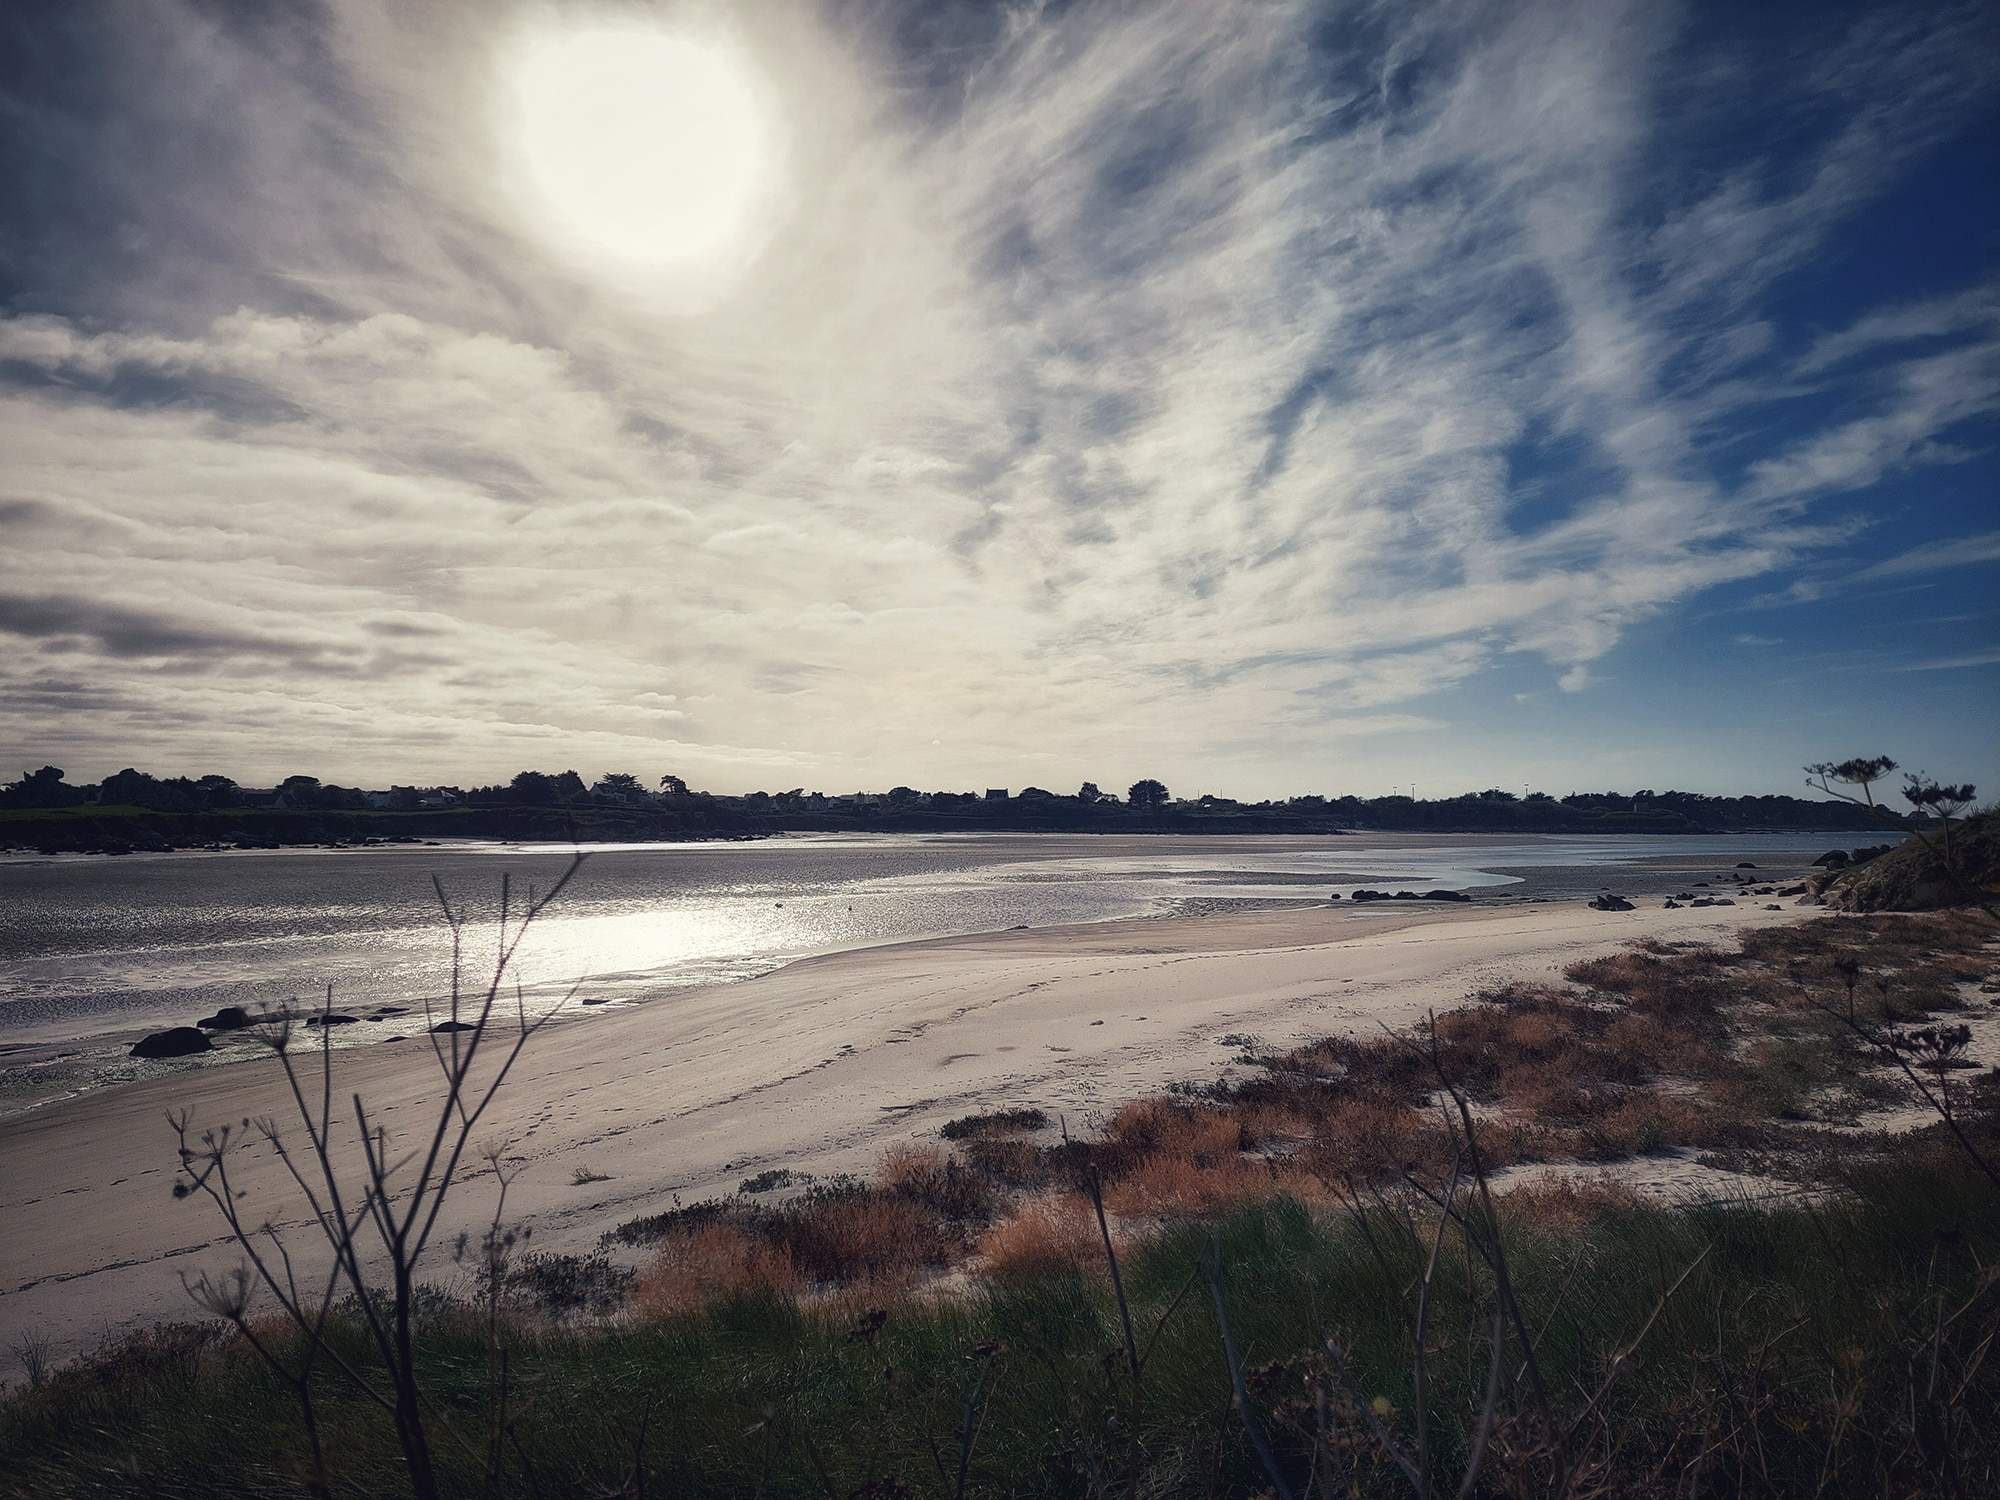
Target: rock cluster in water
column 176, row 1041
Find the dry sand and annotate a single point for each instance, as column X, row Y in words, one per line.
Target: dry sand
column 818, row 1066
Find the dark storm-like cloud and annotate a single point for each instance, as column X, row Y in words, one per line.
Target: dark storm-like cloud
column 121, row 632
column 165, row 163
column 151, row 151
column 130, row 634
column 137, row 387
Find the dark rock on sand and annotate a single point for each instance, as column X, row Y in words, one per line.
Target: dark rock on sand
column 454, row 1026
column 1609, row 902
column 229, row 1018
column 177, row 1041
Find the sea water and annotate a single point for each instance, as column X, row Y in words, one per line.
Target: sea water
column 96, row 951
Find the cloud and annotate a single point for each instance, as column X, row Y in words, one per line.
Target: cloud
column 1984, row 658
column 1952, row 552
column 1934, row 394
column 1118, row 376
column 124, row 632
column 1976, row 311
column 1928, row 557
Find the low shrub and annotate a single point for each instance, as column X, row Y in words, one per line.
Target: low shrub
column 941, row 1184
column 1000, row 1122
column 866, row 1234
column 564, row 1286
column 651, row 1228
column 1052, row 1233
column 699, row 1267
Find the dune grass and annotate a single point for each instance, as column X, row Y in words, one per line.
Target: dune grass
column 1836, row 1349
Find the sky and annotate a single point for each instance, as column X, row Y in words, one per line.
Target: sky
column 1265, row 397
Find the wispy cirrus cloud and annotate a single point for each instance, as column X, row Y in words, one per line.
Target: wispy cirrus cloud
column 1116, row 376
column 1984, row 658
column 1951, row 552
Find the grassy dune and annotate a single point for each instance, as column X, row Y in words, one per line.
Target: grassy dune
column 952, row 1326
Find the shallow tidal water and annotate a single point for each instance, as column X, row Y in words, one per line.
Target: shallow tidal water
column 96, row 951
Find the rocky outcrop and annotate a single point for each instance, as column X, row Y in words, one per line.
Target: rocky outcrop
column 1910, row 877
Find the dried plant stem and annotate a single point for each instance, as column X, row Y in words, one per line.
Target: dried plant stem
column 392, row 1206
column 1244, row 1411
column 1940, row 1102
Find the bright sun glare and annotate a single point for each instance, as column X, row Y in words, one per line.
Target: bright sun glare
column 642, row 143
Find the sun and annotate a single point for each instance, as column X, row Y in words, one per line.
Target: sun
column 648, row 145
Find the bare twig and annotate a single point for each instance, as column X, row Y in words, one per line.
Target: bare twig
column 1387, row 1443
column 975, row 1412
column 1884, row 1046
column 1419, row 1355
column 1476, row 1459
column 395, row 1203
column 1243, row 1408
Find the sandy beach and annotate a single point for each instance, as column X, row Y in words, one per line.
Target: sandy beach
column 818, row 1066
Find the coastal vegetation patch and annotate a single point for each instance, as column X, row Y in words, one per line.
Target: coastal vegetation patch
column 1364, row 1265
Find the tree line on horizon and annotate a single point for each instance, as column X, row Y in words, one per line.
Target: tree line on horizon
column 48, row 789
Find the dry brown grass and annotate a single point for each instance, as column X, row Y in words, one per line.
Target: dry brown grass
column 1696, row 985
column 903, row 1167
column 1166, row 1127
column 1645, row 1122
column 701, row 1267
column 940, row 1183
column 1376, row 1139
column 1178, row 1186
column 868, row 1235
column 1007, row 1163
column 1562, row 1203
column 1048, row 1233
column 1650, row 1050
column 1636, row 1046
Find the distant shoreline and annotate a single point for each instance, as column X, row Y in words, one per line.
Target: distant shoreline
column 90, row 829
